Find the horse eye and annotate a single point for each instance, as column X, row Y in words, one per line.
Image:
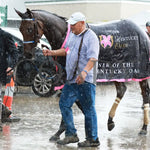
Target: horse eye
column 29, row 30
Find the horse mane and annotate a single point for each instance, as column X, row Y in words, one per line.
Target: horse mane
column 64, row 18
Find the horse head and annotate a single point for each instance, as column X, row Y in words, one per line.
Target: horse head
column 32, row 30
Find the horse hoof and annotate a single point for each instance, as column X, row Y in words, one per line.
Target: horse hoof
column 111, row 126
column 143, row 132
column 54, row 138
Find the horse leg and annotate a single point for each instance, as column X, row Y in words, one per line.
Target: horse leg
column 121, row 89
column 62, row 127
column 145, row 94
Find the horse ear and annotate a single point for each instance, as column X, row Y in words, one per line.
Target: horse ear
column 19, row 13
column 29, row 12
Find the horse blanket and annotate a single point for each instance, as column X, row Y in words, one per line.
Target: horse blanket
column 124, row 52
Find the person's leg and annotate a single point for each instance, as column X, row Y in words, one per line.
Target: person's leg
column 87, row 100
column 8, row 95
column 62, row 127
column 8, row 99
column 68, row 97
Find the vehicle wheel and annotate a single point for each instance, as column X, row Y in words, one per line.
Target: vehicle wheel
column 43, row 84
column 46, row 79
column 25, row 72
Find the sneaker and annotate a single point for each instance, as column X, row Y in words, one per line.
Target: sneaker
column 89, row 143
column 68, row 139
column 54, row 138
column 11, row 119
column 5, row 111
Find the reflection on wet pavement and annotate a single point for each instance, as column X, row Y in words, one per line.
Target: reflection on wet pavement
column 40, row 119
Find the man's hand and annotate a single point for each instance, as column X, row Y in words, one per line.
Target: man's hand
column 81, row 77
column 58, row 52
column 47, row 52
column 9, row 72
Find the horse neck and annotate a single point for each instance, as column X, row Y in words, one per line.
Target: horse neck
column 55, row 35
column 57, row 40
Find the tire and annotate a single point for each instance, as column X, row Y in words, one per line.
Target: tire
column 43, row 84
column 25, row 72
column 45, row 81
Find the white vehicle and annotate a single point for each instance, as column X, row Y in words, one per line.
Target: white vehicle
column 16, row 33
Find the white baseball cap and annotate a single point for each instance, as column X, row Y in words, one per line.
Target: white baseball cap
column 76, row 17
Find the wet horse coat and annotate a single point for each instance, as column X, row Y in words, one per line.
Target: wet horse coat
column 124, row 53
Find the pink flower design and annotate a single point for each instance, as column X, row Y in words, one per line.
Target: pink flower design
column 106, row 40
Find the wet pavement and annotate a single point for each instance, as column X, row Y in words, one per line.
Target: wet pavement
column 40, row 119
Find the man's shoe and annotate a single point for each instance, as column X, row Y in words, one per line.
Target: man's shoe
column 54, row 138
column 68, row 139
column 5, row 111
column 10, row 119
column 89, row 143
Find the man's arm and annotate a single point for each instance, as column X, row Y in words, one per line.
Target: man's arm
column 59, row 52
column 90, row 64
column 12, row 56
column 81, row 78
column 9, row 71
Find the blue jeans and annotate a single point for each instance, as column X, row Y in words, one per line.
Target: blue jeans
column 85, row 93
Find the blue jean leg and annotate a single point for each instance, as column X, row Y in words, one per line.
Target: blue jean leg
column 68, row 97
column 87, row 100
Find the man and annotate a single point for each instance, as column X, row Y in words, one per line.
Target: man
column 8, row 58
column 80, row 83
column 148, row 28
column 8, row 98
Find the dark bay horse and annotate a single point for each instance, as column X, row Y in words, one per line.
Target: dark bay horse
column 35, row 23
